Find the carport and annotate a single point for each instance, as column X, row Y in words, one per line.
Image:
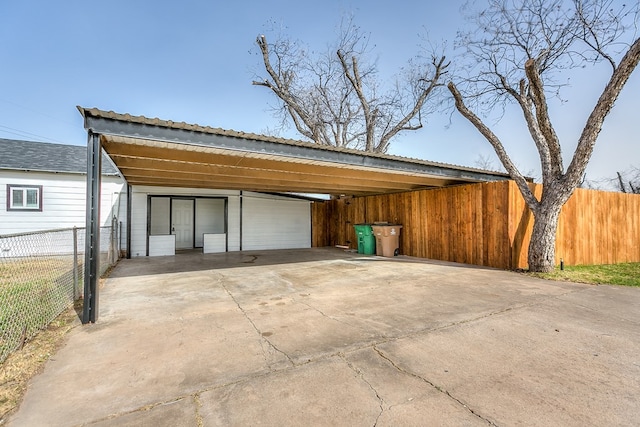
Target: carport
column 154, row 152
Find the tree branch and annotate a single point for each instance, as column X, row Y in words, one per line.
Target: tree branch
column 525, row 103
column 552, row 143
column 440, row 68
column 513, row 171
column 602, row 108
column 353, row 75
column 281, row 90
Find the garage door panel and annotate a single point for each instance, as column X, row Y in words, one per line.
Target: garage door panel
column 269, row 223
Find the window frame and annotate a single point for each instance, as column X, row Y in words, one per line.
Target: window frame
column 24, row 187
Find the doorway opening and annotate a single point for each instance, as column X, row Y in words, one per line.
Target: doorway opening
column 186, row 222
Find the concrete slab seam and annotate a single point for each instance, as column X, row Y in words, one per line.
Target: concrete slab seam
column 195, row 396
column 437, row 387
column 360, row 375
column 198, row 405
column 474, row 319
column 372, row 345
column 260, row 335
column 144, row 408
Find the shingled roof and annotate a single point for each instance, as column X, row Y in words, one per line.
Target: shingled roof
column 47, row 157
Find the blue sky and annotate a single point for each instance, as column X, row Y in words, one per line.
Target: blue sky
column 194, row 61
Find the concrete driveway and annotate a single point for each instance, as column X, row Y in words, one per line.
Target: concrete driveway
column 326, row 337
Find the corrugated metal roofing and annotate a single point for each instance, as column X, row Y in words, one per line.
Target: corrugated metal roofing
column 95, row 112
column 47, row 157
column 159, row 152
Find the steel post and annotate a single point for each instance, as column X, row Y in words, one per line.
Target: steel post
column 92, row 240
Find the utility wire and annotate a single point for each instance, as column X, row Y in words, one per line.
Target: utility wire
column 25, row 134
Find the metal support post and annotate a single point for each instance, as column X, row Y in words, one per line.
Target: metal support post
column 92, row 240
column 129, row 200
column 76, row 286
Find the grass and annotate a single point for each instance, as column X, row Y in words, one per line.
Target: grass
column 32, row 293
column 22, row 364
column 627, row 274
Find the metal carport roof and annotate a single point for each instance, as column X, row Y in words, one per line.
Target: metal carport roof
column 176, row 154
column 165, row 153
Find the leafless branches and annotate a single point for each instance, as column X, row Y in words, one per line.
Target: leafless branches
column 518, row 49
column 629, row 181
column 336, row 99
column 557, row 34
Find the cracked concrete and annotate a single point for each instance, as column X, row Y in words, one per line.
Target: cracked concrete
column 268, row 353
column 326, row 337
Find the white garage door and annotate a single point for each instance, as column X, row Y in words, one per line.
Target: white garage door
column 275, row 223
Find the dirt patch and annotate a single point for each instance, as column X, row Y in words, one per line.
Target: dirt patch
column 23, row 364
column 19, row 367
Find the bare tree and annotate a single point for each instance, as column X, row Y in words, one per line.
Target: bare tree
column 336, row 99
column 629, row 181
column 518, row 48
column 486, row 163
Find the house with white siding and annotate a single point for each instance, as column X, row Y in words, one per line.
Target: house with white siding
column 43, row 187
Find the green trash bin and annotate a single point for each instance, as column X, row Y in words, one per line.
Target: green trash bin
column 366, row 239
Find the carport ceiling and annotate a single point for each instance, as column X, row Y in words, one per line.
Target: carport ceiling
column 165, row 153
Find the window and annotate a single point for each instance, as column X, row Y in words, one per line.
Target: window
column 24, row 197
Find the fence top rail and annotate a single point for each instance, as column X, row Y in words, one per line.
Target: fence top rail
column 29, row 233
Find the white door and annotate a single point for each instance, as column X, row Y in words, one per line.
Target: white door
column 182, row 223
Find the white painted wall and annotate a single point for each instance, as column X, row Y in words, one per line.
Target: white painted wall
column 63, row 201
column 139, row 213
column 209, row 219
column 162, row 245
column 269, row 222
column 160, row 214
column 272, row 222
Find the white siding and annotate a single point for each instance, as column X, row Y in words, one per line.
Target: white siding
column 275, row 222
column 233, row 223
column 162, row 245
column 214, row 243
column 63, row 201
column 209, row 218
column 160, row 214
column 269, row 222
column 139, row 213
column 138, row 223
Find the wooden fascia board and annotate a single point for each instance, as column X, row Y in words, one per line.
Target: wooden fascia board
column 159, row 167
column 255, row 186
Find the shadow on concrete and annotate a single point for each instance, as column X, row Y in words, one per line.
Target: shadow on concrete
column 195, row 261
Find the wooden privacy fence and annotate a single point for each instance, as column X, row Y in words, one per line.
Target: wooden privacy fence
column 487, row 224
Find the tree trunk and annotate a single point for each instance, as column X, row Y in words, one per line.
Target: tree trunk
column 542, row 248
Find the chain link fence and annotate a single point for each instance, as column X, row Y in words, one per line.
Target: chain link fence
column 41, row 275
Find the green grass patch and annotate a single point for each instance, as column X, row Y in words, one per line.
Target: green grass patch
column 626, row 274
column 33, row 291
